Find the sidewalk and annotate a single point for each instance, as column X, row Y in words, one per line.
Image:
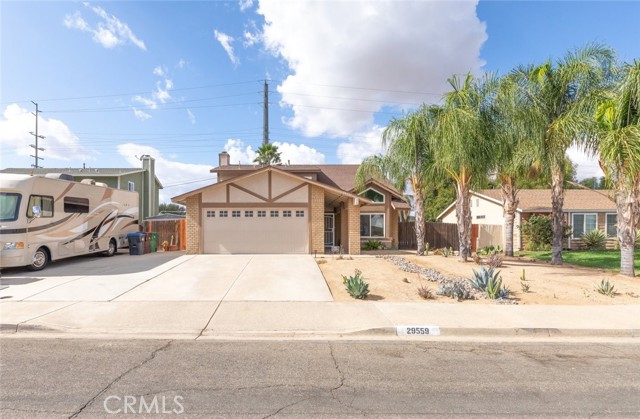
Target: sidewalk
column 359, row 319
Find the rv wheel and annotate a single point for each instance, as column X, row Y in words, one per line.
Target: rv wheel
column 40, row 260
column 112, row 248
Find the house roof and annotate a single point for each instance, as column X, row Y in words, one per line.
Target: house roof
column 330, row 188
column 341, row 176
column 91, row 172
column 539, row 200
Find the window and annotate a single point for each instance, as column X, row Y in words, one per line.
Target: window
column 286, row 213
column 9, row 206
column 224, row 214
column 262, row 214
column 299, row 213
column 248, row 214
column 612, row 225
column 584, row 223
column 211, row 214
column 44, row 202
column 373, row 195
column 76, row 205
column 132, row 187
column 372, row 225
column 275, row 213
column 235, row 213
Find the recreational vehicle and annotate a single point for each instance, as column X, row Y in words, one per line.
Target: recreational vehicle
column 45, row 218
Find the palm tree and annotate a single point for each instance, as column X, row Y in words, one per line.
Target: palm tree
column 564, row 94
column 512, row 126
column 407, row 157
column 618, row 146
column 462, row 148
column 267, row 154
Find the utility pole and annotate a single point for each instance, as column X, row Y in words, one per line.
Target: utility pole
column 38, row 137
column 265, row 118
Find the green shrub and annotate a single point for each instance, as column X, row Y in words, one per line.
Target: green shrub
column 637, row 242
column 595, row 239
column 372, row 245
column 606, row 288
column 481, row 279
column 539, row 233
column 489, row 250
column 355, row 285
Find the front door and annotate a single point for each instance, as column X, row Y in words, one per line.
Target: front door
column 329, row 230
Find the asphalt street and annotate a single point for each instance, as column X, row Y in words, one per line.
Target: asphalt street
column 105, row 378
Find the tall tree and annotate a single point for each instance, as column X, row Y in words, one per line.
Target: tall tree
column 462, row 148
column 618, row 146
column 267, row 154
column 565, row 95
column 407, row 158
column 513, row 127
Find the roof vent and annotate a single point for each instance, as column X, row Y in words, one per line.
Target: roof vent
column 88, row 181
column 102, row 184
column 62, row 176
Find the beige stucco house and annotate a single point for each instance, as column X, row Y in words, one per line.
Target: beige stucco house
column 584, row 210
column 289, row 209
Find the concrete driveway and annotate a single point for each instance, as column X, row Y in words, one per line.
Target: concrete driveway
column 170, row 276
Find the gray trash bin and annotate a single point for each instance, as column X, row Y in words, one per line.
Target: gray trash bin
column 136, row 243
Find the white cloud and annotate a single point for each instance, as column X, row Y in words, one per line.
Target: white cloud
column 169, row 172
column 245, row 4
column 226, row 40
column 161, row 93
column 587, row 165
column 293, row 153
column 384, row 49
column 109, row 32
column 191, row 116
column 182, row 63
column 361, row 145
column 59, row 142
column 160, row 71
column 145, row 101
column 141, row 115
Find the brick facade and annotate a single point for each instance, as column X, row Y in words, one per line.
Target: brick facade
column 317, row 220
column 393, row 224
column 353, row 215
column 194, row 225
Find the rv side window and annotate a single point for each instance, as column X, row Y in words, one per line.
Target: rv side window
column 9, row 206
column 44, row 202
column 76, row 205
column 132, row 187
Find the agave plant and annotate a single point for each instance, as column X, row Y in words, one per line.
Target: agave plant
column 606, row 288
column 481, row 279
column 356, row 286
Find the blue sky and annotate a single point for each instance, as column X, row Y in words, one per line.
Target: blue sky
column 182, row 80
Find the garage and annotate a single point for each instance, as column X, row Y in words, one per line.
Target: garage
column 256, row 230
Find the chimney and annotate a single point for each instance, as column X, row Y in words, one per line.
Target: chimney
column 223, row 159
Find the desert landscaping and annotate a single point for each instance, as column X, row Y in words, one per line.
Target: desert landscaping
column 547, row 284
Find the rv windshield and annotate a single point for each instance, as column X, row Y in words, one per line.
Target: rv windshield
column 9, row 206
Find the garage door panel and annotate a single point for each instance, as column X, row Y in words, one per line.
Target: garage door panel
column 256, row 234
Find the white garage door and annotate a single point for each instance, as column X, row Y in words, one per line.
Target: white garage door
column 269, row 230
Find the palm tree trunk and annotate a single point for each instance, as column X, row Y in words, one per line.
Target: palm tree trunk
column 627, row 211
column 557, row 221
column 463, row 214
column 418, row 201
column 510, row 200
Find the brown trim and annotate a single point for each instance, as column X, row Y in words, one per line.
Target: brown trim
column 228, row 193
column 245, row 190
column 269, row 182
column 254, row 205
column 275, row 198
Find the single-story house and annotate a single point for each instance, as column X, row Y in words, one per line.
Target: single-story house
column 584, row 210
column 142, row 180
column 289, row 209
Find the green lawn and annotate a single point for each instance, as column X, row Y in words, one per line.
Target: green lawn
column 606, row 259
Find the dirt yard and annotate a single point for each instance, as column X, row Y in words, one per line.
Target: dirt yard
column 548, row 284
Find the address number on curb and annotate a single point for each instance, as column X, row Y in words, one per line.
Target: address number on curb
column 417, row 330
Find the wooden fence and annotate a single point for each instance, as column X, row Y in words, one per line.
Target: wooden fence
column 169, row 230
column 438, row 235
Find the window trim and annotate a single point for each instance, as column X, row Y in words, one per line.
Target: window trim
column 363, row 194
column 16, row 214
column 584, row 223
column 384, row 224
column 606, row 224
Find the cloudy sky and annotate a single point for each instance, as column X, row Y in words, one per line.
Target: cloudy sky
column 183, row 80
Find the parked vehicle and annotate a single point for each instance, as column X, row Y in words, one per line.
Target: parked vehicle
column 45, row 218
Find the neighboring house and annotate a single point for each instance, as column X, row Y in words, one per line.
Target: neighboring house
column 584, row 210
column 289, row 209
column 143, row 181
